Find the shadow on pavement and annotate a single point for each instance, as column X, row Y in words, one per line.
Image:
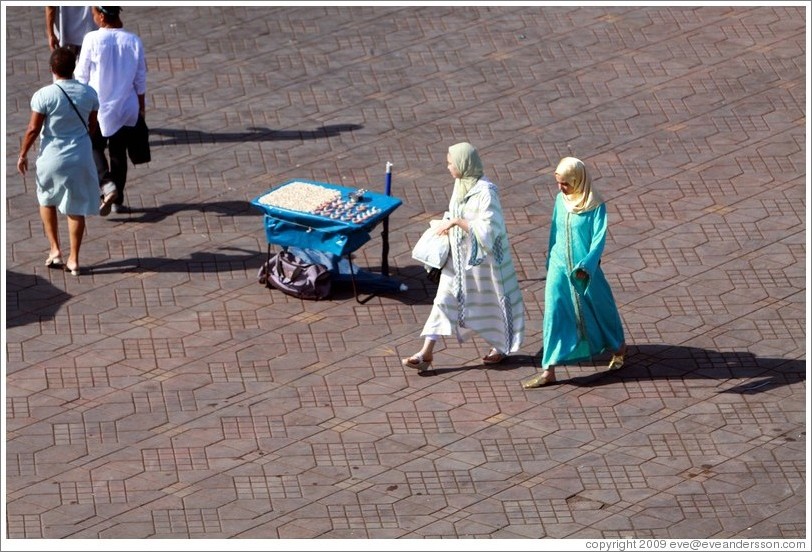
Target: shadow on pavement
column 510, row 363
column 670, row 362
column 254, row 134
column 157, row 214
column 244, row 260
column 197, row 262
column 675, row 362
column 31, row 299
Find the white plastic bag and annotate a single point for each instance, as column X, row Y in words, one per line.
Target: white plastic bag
column 432, row 250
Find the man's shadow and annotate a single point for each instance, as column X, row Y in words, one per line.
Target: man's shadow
column 197, row 262
column 653, row 362
column 157, row 214
column 254, row 134
column 176, row 137
column 31, row 299
column 235, row 259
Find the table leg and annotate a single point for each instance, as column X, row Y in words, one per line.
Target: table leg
column 354, row 288
column 385, row 248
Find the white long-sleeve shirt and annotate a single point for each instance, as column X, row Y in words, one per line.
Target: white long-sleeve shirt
column 112, row 62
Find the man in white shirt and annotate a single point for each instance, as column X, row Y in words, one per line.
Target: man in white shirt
column 112, row 62
column 67, row 26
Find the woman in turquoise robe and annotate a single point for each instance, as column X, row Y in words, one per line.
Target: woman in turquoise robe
column 581, row 319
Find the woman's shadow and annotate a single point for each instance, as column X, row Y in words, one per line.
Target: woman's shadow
column 744, row 372
column 31, row 299
column 230, row 208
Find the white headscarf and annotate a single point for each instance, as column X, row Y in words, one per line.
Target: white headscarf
column 582, row 196
column 466, row 158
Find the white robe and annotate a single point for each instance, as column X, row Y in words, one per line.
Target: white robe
column 478, row 290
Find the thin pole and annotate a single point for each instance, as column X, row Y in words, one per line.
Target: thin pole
column 385, row 232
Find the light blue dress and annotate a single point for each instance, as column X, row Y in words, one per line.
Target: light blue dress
column 580, row 316
column 66, row 173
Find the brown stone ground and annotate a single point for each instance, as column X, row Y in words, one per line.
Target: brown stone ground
column 164, row 394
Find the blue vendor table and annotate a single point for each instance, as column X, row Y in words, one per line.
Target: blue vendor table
column 303, row 231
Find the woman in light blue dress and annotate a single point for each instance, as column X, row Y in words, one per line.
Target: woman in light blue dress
column 581, row 319
column 62, row 114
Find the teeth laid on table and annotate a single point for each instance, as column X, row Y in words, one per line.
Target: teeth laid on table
column 318, row 200
column 300, row 196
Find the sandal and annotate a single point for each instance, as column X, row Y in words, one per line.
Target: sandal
column 493, row 357
column 617, row 358
column 417, row 362
column 546, row 377
column 55, row 261
column 616, row 363
column 107, row 203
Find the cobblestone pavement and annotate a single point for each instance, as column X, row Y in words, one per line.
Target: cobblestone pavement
column 165, row 394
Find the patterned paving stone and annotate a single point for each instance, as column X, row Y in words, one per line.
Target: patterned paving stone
column 164, row 394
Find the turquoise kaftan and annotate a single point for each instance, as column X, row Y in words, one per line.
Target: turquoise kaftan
column 479, row 291
column 580, row 316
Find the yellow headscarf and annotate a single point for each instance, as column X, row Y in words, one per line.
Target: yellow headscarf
column 466, row 159
column 582, row 196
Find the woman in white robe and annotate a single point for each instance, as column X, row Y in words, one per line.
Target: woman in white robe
column 478, row 290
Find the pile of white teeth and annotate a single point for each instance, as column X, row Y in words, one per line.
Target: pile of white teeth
column 300, row 196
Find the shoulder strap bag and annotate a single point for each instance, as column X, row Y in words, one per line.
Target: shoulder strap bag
column 73, row 105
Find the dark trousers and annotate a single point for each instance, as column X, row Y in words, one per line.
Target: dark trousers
column 116, row 169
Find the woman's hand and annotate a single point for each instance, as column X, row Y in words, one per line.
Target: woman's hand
column 22, row 165
column 581, row 274
column 30, row 136
column 444, row 227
